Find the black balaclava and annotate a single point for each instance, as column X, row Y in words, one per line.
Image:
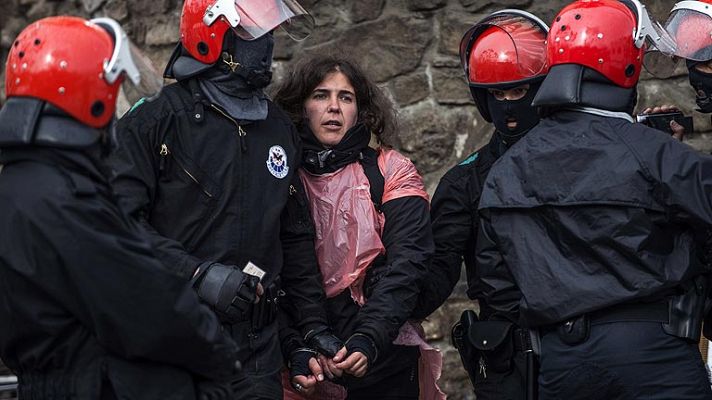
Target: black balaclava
column 237, row 81
column 702, row 83
column 521, row 110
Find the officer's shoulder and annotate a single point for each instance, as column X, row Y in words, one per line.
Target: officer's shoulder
column 461, row 171
column 276, row 113
column 50, row 185
column 170, row 100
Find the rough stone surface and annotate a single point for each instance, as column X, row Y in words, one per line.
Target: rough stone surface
column 423, row 5
column 411, row 88
column 450, row 86
column 91, row 5
column 453, row 25
column 410, row 47
column 366, row 10
column 163, row 34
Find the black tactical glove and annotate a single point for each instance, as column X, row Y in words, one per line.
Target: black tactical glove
column 227, row 290
column 359, row 342
column 212, row 390
column 324, row 341
column 299, row 362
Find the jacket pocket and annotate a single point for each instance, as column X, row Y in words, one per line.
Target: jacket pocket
column 173, row 166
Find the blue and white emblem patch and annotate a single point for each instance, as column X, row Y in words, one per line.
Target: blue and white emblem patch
column 277, row 162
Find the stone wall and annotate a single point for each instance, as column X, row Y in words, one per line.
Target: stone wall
column 410, row 47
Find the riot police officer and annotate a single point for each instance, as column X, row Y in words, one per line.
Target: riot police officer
column 594, row 218
column 88, row 312
column 504, row 58
column 209, row 167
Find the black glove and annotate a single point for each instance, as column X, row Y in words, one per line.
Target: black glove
column 227, row 290
column 212, row 390
column 324, row 341
column 359, row 342
column 299, row 362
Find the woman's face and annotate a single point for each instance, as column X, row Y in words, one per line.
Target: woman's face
column 331, row 109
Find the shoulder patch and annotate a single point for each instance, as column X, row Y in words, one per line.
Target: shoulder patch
column 470, row 159
column 138, row 104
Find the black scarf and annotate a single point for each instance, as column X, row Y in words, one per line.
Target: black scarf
column 240, row 91
column 320, row 160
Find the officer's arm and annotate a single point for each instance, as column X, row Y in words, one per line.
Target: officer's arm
column 301, row 278
column 136, row 164
column 134, row 307
column 496, row 283
column 451, row 217
column 409, row 247
column 682, row 176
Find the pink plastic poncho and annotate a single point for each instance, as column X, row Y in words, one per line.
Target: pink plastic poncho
column 348, row 239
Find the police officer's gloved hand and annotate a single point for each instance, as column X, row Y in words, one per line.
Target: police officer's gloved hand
column 299, row 362
column 227, row 290
column 324, row 341
column 358, row 342
column 213, row 390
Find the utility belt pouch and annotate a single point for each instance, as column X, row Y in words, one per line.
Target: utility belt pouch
column 687, row 310
column 575, row 331
column 495, row 343
column 468, row 354
column 265, row 311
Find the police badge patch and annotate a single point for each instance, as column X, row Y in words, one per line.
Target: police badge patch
column 277, row 162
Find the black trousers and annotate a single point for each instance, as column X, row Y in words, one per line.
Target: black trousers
column 622, row 360
column 393, row 378
column 260, row 378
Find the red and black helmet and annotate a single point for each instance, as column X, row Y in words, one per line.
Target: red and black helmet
column 74, row 64
column 203, row 23
column 607, row 36
column 504, row 50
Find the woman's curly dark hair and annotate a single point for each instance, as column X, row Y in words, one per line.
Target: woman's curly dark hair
column 375, row 110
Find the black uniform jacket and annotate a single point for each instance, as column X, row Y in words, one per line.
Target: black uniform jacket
column 588, row 211
column 210, row 188
column 455, row 224
column 83, row 301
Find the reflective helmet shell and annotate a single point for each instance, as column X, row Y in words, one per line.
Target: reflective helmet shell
column 597, row 34
column 61, row 60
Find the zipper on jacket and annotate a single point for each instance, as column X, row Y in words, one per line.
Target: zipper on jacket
column 240, row 132
column 164, row 154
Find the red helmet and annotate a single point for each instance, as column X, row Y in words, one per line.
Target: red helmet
column 607, row 36
column 203, row 23
column 503, row 49
column 74, row 64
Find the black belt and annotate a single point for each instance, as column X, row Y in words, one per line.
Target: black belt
column 641, row 312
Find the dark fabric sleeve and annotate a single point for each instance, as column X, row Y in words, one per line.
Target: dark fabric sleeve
column 290, row 338
column 686, row 176
column 409, row 248
column 500, row 296
column 301, row 278
column 136, row 164
column 452, row 224
column 110, row 280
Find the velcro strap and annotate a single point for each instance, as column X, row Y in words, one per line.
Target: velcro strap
column 212, row 282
